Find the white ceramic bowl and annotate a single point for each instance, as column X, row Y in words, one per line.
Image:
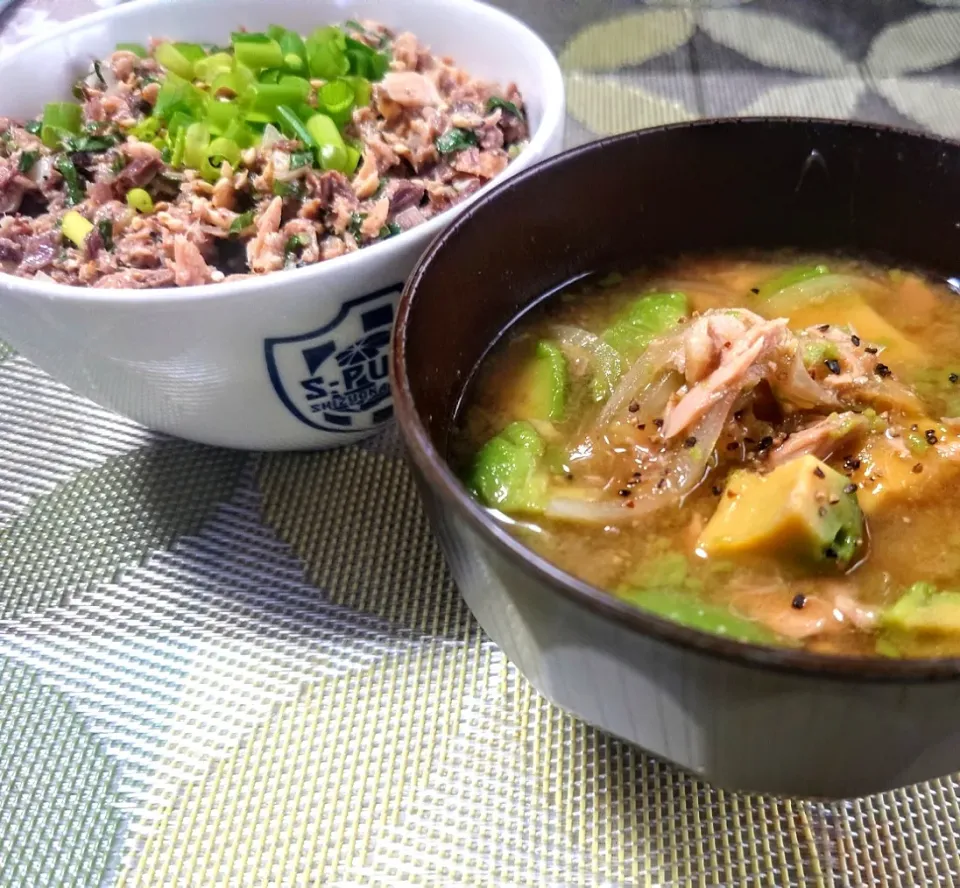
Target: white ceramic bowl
column 253, row 364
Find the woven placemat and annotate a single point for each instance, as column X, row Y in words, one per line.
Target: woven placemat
column 230, row 669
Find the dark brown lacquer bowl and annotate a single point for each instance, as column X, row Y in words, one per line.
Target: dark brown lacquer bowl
column 744, row 717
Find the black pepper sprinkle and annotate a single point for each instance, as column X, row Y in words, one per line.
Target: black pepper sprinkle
column 766, row 442
column 754, row 290
column 830, row 552
column 738, row 415
column 569, row 476
column 931, row 436
column 661, row 483
column 623, row 491
column 716, row 491
column 881, row 370
column 798, row 601
column 851, row 463
column 823, row 328
column 870, row 350
column 733, row 445
column 634, row 407
column 954, row 378
column 850, row 488
column 658, row 423
column 833, row 365
column 641, row 426
column 690, row 442
column 855, row 339
column 917, row 469
column 819, row 472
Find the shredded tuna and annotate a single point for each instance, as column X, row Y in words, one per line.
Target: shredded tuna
column 191, row 236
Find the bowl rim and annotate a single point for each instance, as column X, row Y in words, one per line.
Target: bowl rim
column 452, row 492
column 552, row 120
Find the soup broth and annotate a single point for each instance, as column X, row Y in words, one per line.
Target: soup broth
column 761, row 447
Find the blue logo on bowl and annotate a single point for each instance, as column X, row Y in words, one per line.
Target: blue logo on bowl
column 337, row 378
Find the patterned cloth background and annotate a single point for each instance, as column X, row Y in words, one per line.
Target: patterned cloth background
column 229, row 669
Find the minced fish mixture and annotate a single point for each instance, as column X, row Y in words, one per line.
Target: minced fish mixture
column 181, row 164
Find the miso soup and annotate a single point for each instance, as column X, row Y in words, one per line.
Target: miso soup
column 766, row 448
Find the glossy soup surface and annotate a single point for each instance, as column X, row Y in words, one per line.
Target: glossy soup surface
column 618, row 466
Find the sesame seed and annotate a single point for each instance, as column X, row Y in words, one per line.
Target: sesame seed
column 716, row 491
column 882, row 370
column 850, row 488
column 690, row 442
column 623, row 491
column 823, row 328
column 658, row 423
column 634, row 407
column 870, row 350
column 798, row 601
column 755, row 291
column 855, row 339
column 917, row 469
column 833, row 365
column 931, row 436
column 954, row 378
column 819, row 472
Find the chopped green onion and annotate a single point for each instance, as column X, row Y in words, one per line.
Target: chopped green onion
column 353, row 25
column 329, row 142
column 207, row 68
column 326, row 54
column 75, row 188
column 364, row 61
column 105, row 230
column 294, row 51
column 136, row 48
column 60, row 118
column 267, row 96
column 27, row 160
column 195, row 148
column 294, row 125
column 146, row 129
column 270, row 75
column 256, row 51
column 242, row 134
column 356, row 221
column 178, row 148
column 173, row 60
column 224, row 150
column 294, row 243
column 178, row 94
column 220, row 115
column 33, row 127
column 300, row 159
column 496, row 102
column 242, row 222
column 75, row 227
column 119, row 162
column 236, row 81
column 336, row 98
column 391, row 229
column 353, row 159
column 362, row 92
column 286, row 189
column 193, row 52
column 97, row 70
column 455, row 140
column 140, row 200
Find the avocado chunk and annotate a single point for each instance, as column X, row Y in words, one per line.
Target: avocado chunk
column 924, row 609
column 542, row 389
column 801, row 510
column 842, row 306
column 788, row 278
column 644, row 320
column 508, row 472
column 689, row 610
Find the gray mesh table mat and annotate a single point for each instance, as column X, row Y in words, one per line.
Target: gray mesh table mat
column 230, row 669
